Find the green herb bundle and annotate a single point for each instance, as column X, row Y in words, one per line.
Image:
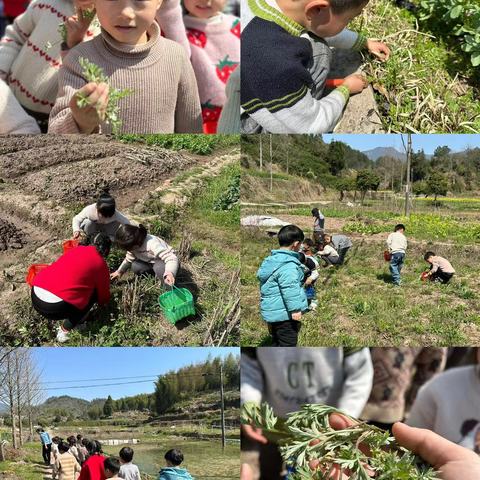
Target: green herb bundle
column 93, row 73
column 344, row 449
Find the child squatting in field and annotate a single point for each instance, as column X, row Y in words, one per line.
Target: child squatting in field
column 286, row 61
column 133, row 55
column 282, row 296
column 441, row 269
column 101, row 216
column 146, row 254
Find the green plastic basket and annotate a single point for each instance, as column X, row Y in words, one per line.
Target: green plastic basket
column 176, row 304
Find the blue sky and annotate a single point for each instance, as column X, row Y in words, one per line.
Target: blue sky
column 85, row 364
column 427, row 142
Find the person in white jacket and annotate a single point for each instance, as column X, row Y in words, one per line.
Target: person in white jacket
column 101, row 216
column 397, row 246
column 286, row 378
column 449, row 404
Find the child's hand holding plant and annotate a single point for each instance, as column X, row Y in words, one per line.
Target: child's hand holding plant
column 77, row 25
column 89, row 106
column 115, row 275
column 355, row 83
column 379, row 49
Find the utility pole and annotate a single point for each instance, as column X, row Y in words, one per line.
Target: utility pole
column 271, row 166
column 261, row 157
column 407, row 186
column 222, row 406
column 287, row 158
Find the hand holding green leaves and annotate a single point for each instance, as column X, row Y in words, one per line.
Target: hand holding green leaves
column 105, row 102
column 89, row 105
column 307, row 438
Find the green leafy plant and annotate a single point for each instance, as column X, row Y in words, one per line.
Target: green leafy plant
column 344, row 449
column 461, row 17
column 93, row 73
column 230, row 197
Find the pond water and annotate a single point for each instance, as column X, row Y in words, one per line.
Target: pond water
column 203, row 459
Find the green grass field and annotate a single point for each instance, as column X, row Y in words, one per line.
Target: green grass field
column 357, row 303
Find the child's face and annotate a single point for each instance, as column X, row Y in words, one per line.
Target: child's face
column 323, row 22
column 204, row 8
column 429, row 260
column 127, row 21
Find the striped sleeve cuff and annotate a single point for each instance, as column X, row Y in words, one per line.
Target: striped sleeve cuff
column 344, row 91
column 361, row 43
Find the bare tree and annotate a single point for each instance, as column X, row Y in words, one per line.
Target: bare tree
column 20, row 389
column 7, row 389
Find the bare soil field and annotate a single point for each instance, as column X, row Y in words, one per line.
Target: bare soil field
column 45, row 180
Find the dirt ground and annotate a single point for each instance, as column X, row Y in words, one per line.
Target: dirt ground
column 10, row 235
column 44, row 182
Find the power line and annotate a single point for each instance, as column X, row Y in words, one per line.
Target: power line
column 95, row 386
column 103, row 379
column 118, row 378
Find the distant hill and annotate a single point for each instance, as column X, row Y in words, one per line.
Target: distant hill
column 378, row 152
column 77, row 406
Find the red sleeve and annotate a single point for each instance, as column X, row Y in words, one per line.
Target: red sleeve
column 84, row 473
column 103, row 283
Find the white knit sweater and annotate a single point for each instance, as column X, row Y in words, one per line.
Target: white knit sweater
column 29, row 66
column 13, row 118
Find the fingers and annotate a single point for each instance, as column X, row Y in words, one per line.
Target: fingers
column 431, row 447
column 339, row 422
column 96, row 95
column 254, row 434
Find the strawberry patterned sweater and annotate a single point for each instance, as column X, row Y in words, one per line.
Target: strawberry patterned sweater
column 215, row 46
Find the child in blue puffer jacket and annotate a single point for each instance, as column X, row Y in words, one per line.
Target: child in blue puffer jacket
column 172, row 471
column 283, row 299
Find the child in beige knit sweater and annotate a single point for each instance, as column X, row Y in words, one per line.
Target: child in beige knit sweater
column 134, row 56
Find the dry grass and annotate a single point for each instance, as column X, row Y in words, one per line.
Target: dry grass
column 420, row 88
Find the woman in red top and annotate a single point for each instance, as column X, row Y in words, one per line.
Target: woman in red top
column 69, row 287
column 92, row 468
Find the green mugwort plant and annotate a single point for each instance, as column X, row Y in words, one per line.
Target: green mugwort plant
column 307, row 435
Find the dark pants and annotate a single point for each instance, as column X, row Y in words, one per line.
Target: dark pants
column 46, row 453
column 331, row 260
column 342, row 252
column 285, row 334
column 63, row 311
column 441, row 277
column 41, row 118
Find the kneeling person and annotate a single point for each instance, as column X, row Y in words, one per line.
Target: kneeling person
column 441, row 269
